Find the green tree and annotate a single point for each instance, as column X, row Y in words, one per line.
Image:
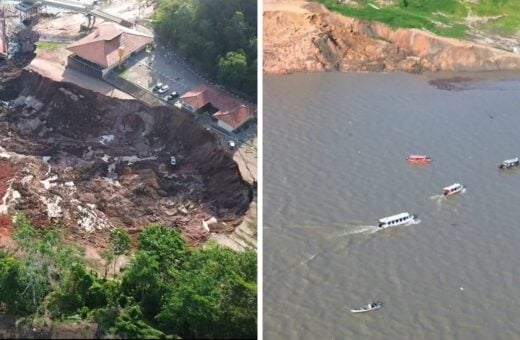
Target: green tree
column 130, row 325
column 166, row 245
column 232, row 69
column 21, row 290
column 79, row 289
column 214, row 296
column 142, row 281
column 167, row 288
column 120, row 243
column 206, row 31
column 108, row 257
column 162, row 251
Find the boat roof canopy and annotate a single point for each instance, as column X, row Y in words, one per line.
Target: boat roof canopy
column 513, row 160
column 394, row 217
column 453, row 186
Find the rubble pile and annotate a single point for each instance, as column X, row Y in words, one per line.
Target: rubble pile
column 91, row 163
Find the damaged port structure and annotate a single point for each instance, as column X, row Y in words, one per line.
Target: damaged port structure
column 90, row 163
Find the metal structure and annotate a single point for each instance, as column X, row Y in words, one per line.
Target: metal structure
column 3, row 35
column 30, row 8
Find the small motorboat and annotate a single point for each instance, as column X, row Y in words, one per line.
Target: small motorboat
column 395, row 220
column 367, row 308
column 419, row 159
column 452, row 189
column 509, row 163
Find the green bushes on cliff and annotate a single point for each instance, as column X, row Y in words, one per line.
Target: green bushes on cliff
column 168, row 290
column 218, row 36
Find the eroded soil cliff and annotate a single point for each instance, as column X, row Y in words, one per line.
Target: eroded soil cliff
column 89, row 162
column 304, row 36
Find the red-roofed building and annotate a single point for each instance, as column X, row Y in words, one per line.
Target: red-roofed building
column 231, row 113
column 102, row 48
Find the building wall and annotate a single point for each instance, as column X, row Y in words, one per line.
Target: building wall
column 225, row 126
column 133, row 89
column 78, row 65
column 187, row 106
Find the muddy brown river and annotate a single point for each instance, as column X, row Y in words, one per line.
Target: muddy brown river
column 335, row 147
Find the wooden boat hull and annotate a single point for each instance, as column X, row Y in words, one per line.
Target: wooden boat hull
column 364, row 310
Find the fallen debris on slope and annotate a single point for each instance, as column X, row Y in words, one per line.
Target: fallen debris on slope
column 91, row 162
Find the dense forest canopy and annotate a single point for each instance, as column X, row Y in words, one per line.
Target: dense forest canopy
column 168, row 290
column 218, row 36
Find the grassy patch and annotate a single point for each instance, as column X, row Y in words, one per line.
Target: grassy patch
column 443, row 17
column 506, row 26
column 418, row 14
column 50, row 45
column 122, row 70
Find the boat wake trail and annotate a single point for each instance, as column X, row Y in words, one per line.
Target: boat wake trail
column 364, row 229
column 353, row 229
column 437, row 197
column 312, row 257
column 414, row 222
column 338, row 229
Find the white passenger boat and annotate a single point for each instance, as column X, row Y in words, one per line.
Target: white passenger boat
column 509, row 163
column 452, row 189
column 367, row 308
column 395, row 220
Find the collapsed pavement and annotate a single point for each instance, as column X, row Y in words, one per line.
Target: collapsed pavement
column 90, row 163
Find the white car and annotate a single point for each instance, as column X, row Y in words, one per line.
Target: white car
column 173, row 160
column 157, row 86
column 163, row 89
column 231, row 144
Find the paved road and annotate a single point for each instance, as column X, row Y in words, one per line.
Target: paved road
column 146, row 69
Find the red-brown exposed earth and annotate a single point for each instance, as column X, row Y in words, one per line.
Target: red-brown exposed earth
column 76, row 158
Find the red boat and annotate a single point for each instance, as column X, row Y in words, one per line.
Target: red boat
column 422, row 159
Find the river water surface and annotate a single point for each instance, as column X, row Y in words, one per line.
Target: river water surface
column 334, row 163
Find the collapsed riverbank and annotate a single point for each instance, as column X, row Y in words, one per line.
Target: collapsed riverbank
column 89, row 162
column 302, row 36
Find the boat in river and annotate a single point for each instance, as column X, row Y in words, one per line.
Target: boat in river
column 509, row 163
column 395, row 220
column 367, row 308
column 419, row 159
column 452, row 189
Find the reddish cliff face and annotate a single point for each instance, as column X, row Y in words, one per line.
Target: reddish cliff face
column 92, row 162
column 301, row 36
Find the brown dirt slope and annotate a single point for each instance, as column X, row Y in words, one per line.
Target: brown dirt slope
column 301, row 36
column 91, row 162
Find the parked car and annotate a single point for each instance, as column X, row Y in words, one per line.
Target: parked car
column 163, row 89
column 172, row 96
column 231, row 144
column 157, row 86
column 173, row 160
